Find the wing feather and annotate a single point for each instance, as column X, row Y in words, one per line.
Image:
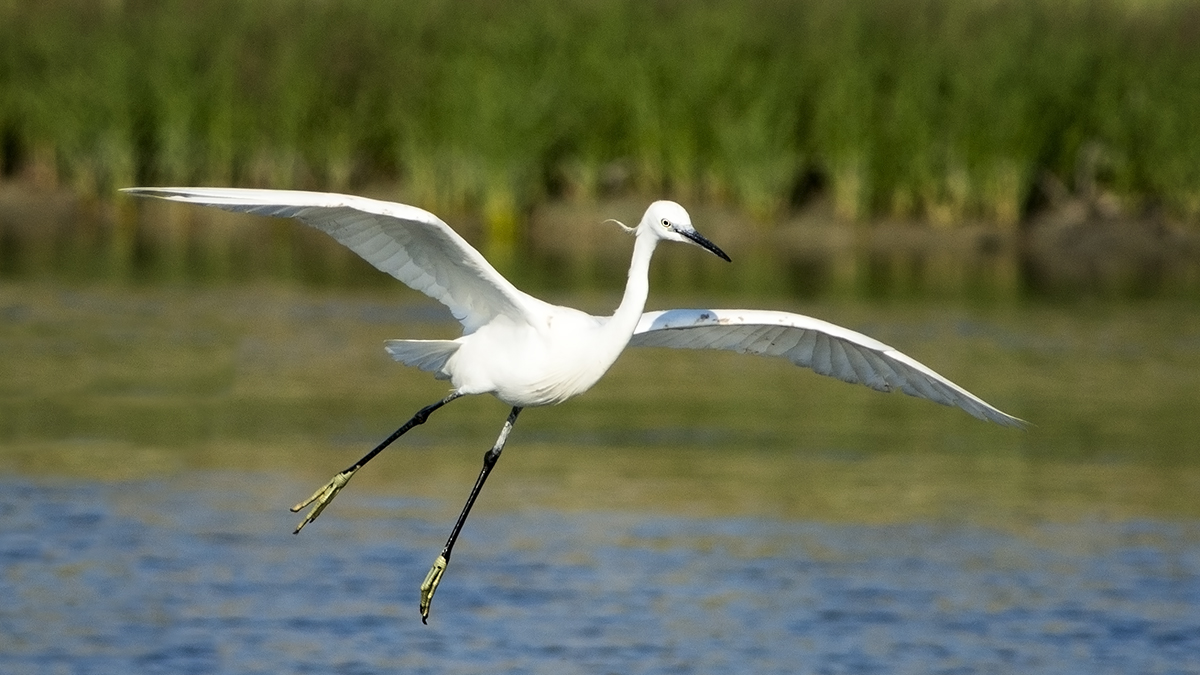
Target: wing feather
column 888, row 380
column 763, row 341
column 785, row 342
column 826, row 348
column 843, row 368
column 863, row 373
column 822, row 358
column 802, row 355
column 410, row 244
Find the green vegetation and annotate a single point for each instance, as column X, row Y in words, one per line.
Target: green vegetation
column 936, row 109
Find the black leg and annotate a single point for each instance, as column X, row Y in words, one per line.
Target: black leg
column 326, row 493
column 439, row 566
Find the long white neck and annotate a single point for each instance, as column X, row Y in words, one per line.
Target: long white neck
column 637, row 288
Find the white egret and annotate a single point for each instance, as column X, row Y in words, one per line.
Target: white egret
column 527, row 352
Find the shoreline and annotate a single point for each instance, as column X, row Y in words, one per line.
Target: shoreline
column 1073, row 247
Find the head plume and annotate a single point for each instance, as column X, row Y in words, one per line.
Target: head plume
column 623, row 226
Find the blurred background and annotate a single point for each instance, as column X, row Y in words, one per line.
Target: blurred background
column 1007, row 191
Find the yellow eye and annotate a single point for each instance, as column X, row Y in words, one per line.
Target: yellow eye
column 664, row 223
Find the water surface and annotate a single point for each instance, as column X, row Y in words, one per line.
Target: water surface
column 693, row 513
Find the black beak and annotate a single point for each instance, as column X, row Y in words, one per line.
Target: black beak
column 704, row 243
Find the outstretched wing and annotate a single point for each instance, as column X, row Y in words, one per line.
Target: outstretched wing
column 408, row 243
column 812, row 343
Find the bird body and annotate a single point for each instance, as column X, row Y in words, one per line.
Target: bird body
column 541, row 362
column 544, row 354
column 527, row 352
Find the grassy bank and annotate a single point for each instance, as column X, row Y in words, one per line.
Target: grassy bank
column 936, row 109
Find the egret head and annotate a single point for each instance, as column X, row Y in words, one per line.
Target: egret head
column 668, row 220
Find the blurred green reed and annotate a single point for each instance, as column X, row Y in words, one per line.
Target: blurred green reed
column 938, row 109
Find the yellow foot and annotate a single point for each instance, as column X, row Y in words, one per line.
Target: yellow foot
column 322, row 497
column 431, row 583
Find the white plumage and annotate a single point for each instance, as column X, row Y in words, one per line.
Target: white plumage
column 527, row 352
column 826, row 348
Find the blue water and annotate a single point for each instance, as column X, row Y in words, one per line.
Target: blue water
column 200, row 574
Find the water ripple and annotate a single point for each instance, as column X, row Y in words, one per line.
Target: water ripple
column 201, row 576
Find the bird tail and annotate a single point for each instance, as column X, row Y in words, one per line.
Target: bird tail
column 428, row 355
